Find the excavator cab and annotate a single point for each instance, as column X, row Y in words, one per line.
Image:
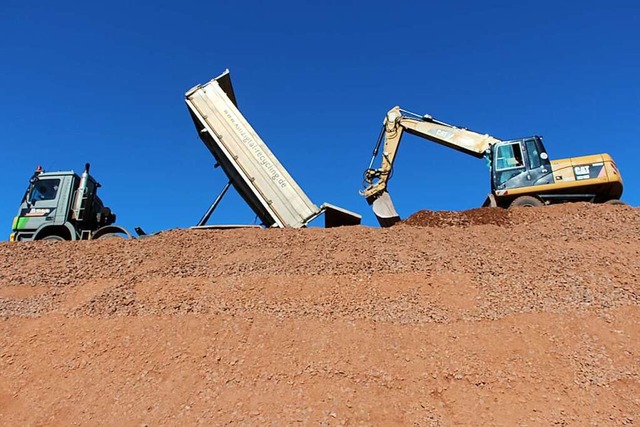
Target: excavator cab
column 519, row 163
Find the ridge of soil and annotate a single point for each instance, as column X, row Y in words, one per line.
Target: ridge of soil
column 526, row 316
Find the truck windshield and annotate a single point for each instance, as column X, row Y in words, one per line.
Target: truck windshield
column 44, row 189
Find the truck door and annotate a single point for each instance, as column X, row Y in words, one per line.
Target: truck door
column 42, row 202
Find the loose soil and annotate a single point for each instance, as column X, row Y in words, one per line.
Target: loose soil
column 526, row 316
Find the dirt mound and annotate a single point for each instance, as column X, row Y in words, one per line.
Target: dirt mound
column 480, row 216
column 518, row 317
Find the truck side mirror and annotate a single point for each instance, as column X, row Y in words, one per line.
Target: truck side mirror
column 27, row 196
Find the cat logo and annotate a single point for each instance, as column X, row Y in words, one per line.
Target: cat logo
column 582, row 172
column 440, row 133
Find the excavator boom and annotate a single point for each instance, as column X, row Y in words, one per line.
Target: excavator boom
column 398, row 121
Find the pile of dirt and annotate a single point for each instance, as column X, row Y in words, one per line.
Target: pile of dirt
column 518, row 317
column 480, row 216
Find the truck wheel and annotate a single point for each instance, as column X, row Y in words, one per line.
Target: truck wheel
column 111, row 236
column 615, row 202
column 53, row 238
column 526, row 202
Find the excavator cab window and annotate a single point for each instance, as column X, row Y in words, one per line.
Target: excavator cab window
column 509, row 156
column 508, row 162
column 534, row 155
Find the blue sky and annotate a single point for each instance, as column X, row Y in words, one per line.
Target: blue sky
column 104, row 83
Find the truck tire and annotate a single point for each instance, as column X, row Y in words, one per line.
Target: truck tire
column 54, row 238
column 111, row 236
column 615, row 202
column 526, row 202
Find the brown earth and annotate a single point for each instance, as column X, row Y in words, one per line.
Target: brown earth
column 480, row 216
column 487, row 317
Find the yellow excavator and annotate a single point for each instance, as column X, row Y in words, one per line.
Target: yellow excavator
column 521, row 172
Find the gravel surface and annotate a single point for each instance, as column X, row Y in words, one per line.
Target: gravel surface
column 525, row 316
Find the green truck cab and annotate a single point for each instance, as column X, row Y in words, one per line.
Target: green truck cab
column 63, row 206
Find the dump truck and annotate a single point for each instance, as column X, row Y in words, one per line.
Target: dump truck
column 520, row 169
column 250, row 166
column 64, row 206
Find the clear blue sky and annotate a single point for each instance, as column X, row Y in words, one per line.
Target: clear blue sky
column 104, row 82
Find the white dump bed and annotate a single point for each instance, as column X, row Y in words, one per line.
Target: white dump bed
column 252, row 168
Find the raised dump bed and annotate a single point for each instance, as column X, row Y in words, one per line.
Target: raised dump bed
column 251, row 167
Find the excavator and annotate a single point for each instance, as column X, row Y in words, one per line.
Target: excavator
column 520, row 169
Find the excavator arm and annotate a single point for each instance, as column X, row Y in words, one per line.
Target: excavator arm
column 398, row 121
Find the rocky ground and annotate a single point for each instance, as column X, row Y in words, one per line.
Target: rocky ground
column 485, row 317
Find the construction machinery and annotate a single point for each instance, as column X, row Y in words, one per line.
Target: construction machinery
column 64, row 206
column 521, row 172
column 250, row 166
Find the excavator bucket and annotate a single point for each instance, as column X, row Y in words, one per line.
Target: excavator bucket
column 383, row 209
